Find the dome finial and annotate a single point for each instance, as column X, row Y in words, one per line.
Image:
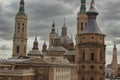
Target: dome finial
column 92, row 8
column 35, row 44
column 64, row 22
column 92, row 4
column 36, row 37
column 114, row 44
column 83, row 7
column 21, row 9
column 53, row 27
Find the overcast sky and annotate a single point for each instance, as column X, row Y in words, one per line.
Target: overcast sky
column 41, row 14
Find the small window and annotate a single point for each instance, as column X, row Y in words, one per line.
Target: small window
column 81, row 26
column 22, row 29
column 83, row 56
column 92, row 56
column 17, row 50
column 92, row 78
column 18, row 24
column 92, row 37
column 18, row 28
column 83, row 67
column 101, row 67
column 83, row 78
column 100, row 78
column 23, row 24
column 83, row 37
column 92, row 67
column 100, row 55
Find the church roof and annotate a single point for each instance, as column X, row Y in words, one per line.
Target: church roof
column 34, row 52
column 65, row 39
column 70, row 52
column 92, row 26
column 56, row 48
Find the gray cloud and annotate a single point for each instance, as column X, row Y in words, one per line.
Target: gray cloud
column 40, row 16
column 4, row 47
column 42, row 12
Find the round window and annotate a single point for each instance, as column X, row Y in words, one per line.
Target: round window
column 92, row 66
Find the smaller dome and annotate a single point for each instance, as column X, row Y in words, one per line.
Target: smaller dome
column 65, row 39
column 56, row 49
column 34, row 52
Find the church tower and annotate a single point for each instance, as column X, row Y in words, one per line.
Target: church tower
column 35, row 44
column 90, row 49
column 44, row 47
column 20, row 34
column 64, row 30
column 82, row 17
column 52, row 35
column 114, row 59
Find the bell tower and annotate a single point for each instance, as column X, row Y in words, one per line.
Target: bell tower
column 52, row 35
column 114, row 59
column 90, row 49
column 82, row 17
column 20, row 33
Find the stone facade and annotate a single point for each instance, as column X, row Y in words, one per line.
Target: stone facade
column 37, row 69
column 17, row 75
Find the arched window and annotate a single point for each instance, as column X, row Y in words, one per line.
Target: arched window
column 100, row 55
column 52, row 41
column 92, row 78
column 17, row 49
column 23, row 29
column 92, row 56
column 18, row 24
column 18, row 27
column 83, row 57
column 81, row 26
column 83, row 78
column 100, row 78
column 23, row 24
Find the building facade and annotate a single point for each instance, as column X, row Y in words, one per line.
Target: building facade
column 90, row 49
column 34, row 68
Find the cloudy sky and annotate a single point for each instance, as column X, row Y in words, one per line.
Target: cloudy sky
column 41, row 14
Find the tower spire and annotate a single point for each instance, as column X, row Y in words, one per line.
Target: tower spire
column 83, row 7
column 21, row 9
column 44, row 47
column 35, row 44
column 53, row 27
column 64, row 29
column 114, row 59
column 114, row 44
column 64, row 22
